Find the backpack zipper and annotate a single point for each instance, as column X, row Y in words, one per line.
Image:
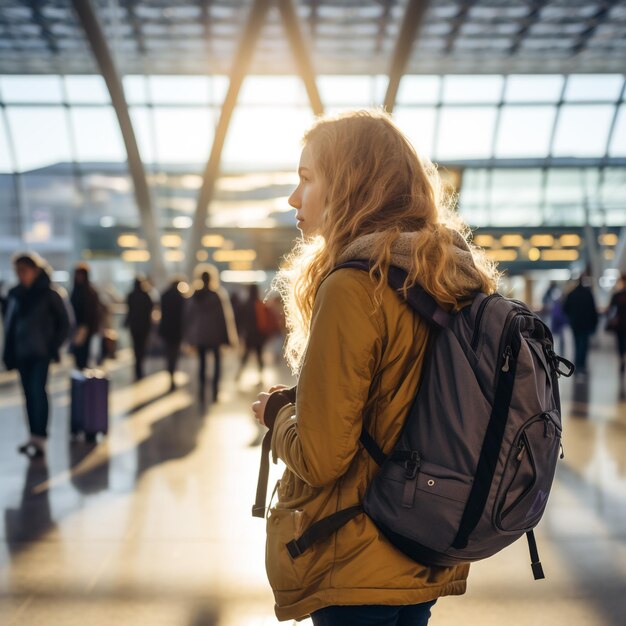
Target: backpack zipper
column 520, row 450
column 507, row 355
column 479, row 317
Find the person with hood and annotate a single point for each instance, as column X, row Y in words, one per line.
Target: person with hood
column 86, row 306
column 616, row 322
column 139, row 322
column 358, row 350
column 580, row 307
column 258, row 324
column 36, row 325
column 171, row 324
column 210, row 324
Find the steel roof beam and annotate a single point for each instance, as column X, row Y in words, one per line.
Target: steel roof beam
column 241, row 62
column 38, row 18
column 531, row 18
column 383, row 24
column 104, row 59
column 18, row 183
column 457, row 22
column 135, row 24
column 300, row 53
column 598, row 19
column 243, row 57
column 411, row 22
column 620, row 101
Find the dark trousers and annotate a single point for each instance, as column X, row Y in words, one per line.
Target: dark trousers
column 139, row 348
column 258, row 350
column 581, row 348
column 202, row 352
column 172, row 350
column 621, row 349
column 34, row 374
column 373, row 615
column 81, row 354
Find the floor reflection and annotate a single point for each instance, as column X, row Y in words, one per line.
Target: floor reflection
column 32, row 517
column 152, row 524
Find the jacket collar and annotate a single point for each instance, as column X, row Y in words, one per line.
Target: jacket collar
column 469, row 280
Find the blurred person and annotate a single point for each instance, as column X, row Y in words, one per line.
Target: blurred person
column 616, row 322
column 258, row 324
column 3, row 300
column 171, row 324
column 275, row 305
column 236, row 303
column 358, row 351
column 87, row 314
column 558, row 324
column 210, row 324
column 139, row 322
column 36, row 326
column 552, row 313
column 109, row 336
column 580, row 307
column 551, row 295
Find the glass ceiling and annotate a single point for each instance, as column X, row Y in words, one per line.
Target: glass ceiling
column 345, row 37
column 52, row 119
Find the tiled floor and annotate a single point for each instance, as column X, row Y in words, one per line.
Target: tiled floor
column 152, row 525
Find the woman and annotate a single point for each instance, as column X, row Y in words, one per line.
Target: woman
column 258, row 325
column 139, row 321
column 36, row 325
column 210, row 324
column 86, row 307
column 171, row 324
column 580, row 308
column 616, row 323
column 363, row 194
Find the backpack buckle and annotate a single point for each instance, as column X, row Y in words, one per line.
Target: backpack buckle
column 412, row 465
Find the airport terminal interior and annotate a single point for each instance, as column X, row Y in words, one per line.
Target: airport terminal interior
column 157, row 138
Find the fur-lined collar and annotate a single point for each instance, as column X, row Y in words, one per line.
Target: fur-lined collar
column 402, row 254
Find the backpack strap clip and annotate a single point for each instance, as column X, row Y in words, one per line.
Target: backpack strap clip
column 556, row 361
column 321, row 530
column 412, row 467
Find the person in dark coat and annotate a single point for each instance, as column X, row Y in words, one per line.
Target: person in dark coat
column 86, row 306
column 171, row 324
column 36, row 325
column 139, row 322
column 3, row 300
column 581, row 311
column 258, row 324
column 616, row 322
column 210, row 324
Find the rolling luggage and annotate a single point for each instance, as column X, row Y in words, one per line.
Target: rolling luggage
column 89, row 411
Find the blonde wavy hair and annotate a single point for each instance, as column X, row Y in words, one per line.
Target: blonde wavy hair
column 376, row 183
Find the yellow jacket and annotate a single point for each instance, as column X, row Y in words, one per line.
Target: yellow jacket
column 362, row 367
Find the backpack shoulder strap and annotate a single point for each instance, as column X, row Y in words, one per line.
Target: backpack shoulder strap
column 417, row 297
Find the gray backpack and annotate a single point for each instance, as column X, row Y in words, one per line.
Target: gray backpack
column 472, row 469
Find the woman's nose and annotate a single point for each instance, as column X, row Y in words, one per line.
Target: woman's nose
column 294, row 199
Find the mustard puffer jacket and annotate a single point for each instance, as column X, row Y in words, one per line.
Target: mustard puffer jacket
column 362, row 367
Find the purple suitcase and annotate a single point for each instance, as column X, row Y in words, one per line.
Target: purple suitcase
column 90, row 403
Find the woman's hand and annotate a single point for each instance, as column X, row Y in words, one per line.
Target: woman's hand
column 258, row 408
column 277, row 388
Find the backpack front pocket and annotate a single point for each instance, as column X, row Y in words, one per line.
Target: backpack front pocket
column 425, row 508
column 528, row 474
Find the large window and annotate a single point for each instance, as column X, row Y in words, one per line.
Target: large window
column 532, row 150
column 41, row 136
